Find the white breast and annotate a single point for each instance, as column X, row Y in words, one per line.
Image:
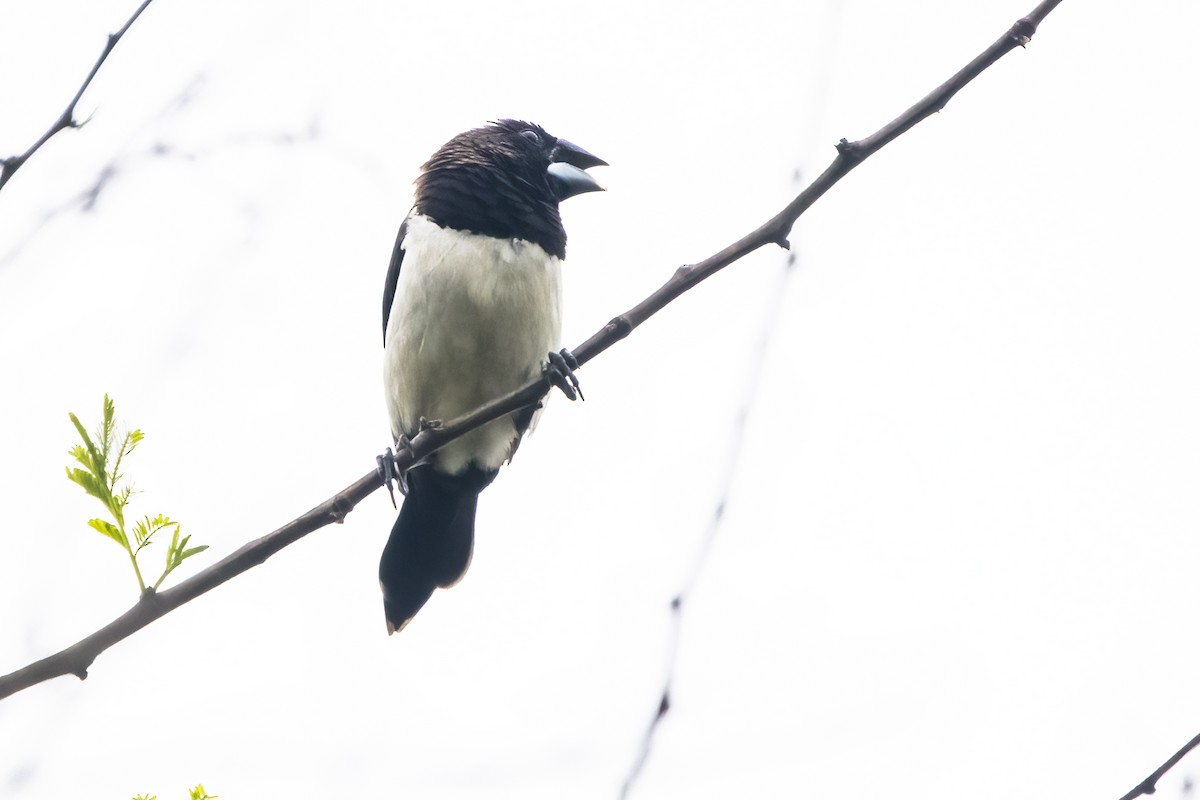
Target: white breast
column 473, row 318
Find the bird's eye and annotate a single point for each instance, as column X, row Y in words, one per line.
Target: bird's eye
column 533, row 137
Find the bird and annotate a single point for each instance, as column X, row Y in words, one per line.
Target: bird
column 471, row 311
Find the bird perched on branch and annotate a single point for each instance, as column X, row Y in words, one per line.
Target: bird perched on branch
column 471, row 311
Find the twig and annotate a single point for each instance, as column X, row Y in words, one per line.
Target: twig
column 76, row 659
column 849, row 156
column 10, row 165
column 731, row 460
column 1149, row 786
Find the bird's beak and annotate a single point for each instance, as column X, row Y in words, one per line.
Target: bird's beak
column 566, row 171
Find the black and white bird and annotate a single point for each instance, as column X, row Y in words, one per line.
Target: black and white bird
column 471, row 311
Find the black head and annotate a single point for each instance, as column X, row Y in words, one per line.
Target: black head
column 505, row 180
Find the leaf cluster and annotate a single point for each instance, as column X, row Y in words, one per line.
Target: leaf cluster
column 100, row 457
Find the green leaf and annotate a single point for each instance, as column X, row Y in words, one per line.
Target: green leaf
column 100, row 458
column 176, row 552
column 89, row 483
column 97, row 460
column 110, row 530
column 108, row 426
column 141, row 534
column 81, row 454
column 146, row 528
column 127, row 444
column 87, row 440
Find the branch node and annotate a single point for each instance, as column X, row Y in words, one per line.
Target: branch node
column 851, row 152
column 1022, row 31
column 664, row 705
column 80, row 673
column 620, row 326
column 339, row 509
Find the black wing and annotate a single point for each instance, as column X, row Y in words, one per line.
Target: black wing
column 393, row 276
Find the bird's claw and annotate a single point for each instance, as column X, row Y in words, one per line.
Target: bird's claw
column 560, row 371
column 385, row 466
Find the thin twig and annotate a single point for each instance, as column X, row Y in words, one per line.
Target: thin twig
column 76, row 659
column 730, row 460
column 1149, row 786
column 777, row 230
column 10, row 165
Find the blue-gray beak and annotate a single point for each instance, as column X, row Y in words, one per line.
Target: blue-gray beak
column 566, row 171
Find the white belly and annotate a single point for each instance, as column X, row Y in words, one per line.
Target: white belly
column 473, row 318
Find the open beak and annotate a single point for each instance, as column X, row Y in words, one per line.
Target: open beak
column 566, row 171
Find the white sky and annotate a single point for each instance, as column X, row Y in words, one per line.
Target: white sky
column 960, row 554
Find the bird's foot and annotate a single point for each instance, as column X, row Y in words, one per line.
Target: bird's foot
column 385, row 467
column 560, row 371
column 429, row 425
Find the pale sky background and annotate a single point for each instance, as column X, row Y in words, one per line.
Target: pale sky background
column 961, row 547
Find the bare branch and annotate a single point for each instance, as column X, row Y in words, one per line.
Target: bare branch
column 850, row 155
column 10, row 165
column 1149, row 786
column 76, row 659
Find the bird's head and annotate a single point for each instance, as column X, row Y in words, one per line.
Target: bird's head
column 538, row 162
column 536, row 152
column 506, row 179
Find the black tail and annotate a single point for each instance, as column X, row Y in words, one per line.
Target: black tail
column 432, row 539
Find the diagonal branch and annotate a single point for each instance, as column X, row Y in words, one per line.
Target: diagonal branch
column 1150, row 784
column 76, row 659
column 10, row 165
column 850, row 155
